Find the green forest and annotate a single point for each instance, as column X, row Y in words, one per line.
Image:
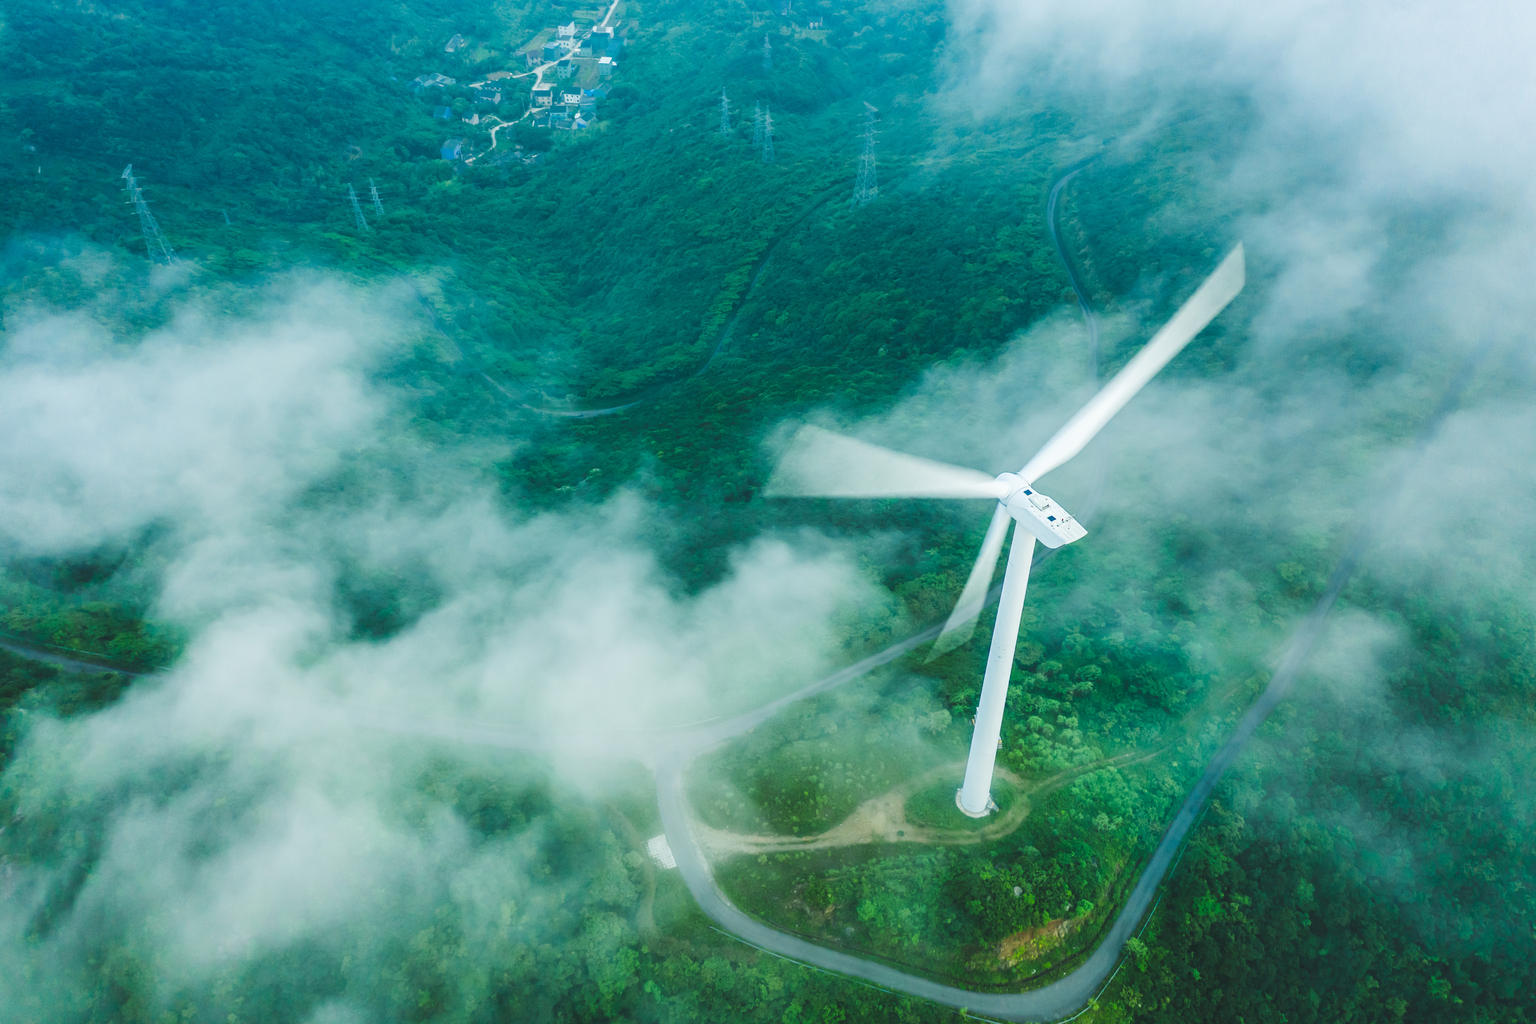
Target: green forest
column 656, row 262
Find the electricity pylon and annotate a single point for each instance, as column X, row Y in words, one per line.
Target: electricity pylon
column 767, row 54
column 725, row 114
column 378, row 204
column 867, row 187
column 154, row 241
column 757, row 124
column 768, row 136
column 357, row 209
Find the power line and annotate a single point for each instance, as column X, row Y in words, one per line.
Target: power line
column 866, row 188
column 357, row 209
column 154, row 241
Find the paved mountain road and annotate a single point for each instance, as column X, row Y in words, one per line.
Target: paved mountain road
column 684, row 744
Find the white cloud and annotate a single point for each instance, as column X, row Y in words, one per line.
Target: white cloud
column 247, row 802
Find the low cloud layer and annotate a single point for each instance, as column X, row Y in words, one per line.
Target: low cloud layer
column 245, row 803
column 1375, row 158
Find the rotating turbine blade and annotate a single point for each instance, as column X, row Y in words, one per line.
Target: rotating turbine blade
column 962, row 621
column 1209, row 299
column 822, row 464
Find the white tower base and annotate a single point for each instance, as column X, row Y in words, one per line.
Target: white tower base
column 975, row 796
column 991, row 806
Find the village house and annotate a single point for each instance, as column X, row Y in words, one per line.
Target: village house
column 565, row 68
column 453, row 149
column 429, row 81
column 543, row 95
column 446, row 113
column 456, row 43
column 485, row 92
column 605, row 67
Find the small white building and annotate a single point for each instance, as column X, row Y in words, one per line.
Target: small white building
column 661, row 852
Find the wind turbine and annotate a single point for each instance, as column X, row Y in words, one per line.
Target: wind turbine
column 819, row 463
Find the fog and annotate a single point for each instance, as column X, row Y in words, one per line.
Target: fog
column 242, row 803
column 247, row 806
column 1378, row 169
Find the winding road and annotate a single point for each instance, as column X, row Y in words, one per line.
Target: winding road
column 684, row 744
column 1071, row 993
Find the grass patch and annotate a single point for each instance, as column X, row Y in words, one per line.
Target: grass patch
column 934, row 806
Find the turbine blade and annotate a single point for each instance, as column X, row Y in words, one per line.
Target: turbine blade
column 962, row 621
column 1209, row 299
column 822, row 464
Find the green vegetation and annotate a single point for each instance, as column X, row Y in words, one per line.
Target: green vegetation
column 63, row 613
column 809, row 767
column 29, row 686
column 934, row 806
column 1332, row 879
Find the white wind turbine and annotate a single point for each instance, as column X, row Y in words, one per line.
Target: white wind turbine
column 822, row 464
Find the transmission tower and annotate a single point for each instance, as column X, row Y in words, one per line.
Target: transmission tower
column 767, row 54
column 378, row 204
column 768, row 136
column 154, row 241
column 867, row 188
column 757, row 124
column 725, row 114
column 357, row 209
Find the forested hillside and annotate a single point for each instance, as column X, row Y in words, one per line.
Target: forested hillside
column 1369, row 860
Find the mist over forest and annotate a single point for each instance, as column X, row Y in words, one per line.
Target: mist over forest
column 365, row 573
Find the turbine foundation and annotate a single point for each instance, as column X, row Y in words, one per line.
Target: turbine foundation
column 991, row 806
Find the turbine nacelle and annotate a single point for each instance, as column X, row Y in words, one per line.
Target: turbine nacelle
column 1040, row 514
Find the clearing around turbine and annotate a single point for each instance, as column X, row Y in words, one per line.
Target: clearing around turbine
column 819, row 463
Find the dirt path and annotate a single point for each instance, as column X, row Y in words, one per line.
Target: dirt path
column 884, row 818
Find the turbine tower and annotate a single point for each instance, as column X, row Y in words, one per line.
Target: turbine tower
column 767, row 54
column 725, row 114
column 867, row 188
column 822, row 464
column 768, row 135
column 154, row 241
column 357, row 209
